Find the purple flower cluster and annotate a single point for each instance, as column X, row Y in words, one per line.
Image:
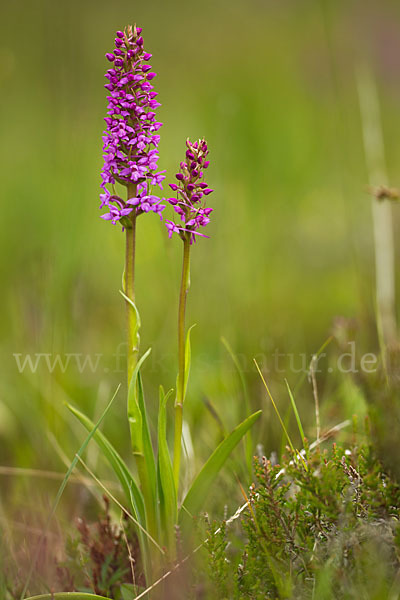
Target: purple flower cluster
column 190, row 193
column 131, row 139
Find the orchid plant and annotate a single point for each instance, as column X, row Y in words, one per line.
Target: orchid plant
column 130, row 144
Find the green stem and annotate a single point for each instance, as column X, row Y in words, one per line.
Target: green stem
column 180, row 391
column 132, row 316
column 133, row 339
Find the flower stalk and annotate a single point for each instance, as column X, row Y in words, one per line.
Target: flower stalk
column 181, row 381
column 189, row 204
column 133, row 324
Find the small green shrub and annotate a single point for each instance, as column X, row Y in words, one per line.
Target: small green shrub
column 327, row 531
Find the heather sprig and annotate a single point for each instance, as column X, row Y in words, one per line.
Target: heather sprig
column 191, row 192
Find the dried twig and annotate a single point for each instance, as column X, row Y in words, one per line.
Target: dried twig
column 131, row 559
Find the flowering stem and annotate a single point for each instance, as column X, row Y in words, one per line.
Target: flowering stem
column 132, row 316
column 180, row 392
column 133, row 326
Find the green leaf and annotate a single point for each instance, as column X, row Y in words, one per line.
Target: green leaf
column 133, row 305
column 248, row 438
column 68, row 596
column 133, row 495
column 134, row 412
column 119, row 467
column 166, row 485
column 147, row 445
column 141, row 444
column 201, row 485
column 188, row 358
column 135, row 323
column 130, row 591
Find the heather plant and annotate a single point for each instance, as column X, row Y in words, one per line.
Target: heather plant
column 328, row 531
column 152, row 494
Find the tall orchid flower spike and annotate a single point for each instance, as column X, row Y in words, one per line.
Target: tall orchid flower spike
column 130, row 144
column 189, row 203
column 131, row 138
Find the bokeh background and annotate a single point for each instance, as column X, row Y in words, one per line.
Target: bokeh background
column 273, row 88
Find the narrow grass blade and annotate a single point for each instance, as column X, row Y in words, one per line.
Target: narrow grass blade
column 216, row 416
column 68, row 596
column 166, row 485
column 114, row 499
column 200, row 487
column 131, row 490
column 286, row 419
column 248, row 437
column 118, row 465
column 61, row 489
column 275, row 408
column 317, row 354
column 296, row 414
column 295, row 452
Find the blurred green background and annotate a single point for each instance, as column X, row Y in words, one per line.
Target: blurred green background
column 272, row 87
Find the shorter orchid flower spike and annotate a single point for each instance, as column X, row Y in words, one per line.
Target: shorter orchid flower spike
column 191, row 191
